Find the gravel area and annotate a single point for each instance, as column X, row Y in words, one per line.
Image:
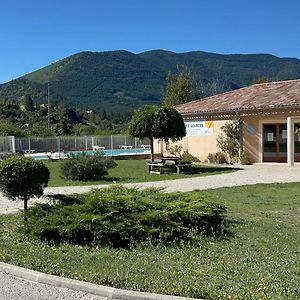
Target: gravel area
column 13, row 288
column 259, row 173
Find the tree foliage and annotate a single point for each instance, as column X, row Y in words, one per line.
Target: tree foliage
column 156, row 122
column 178, row 91
column 229, row 140
column 260, row 80
column 23, row 178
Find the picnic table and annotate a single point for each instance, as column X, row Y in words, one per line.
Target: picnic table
column 175, row 159
column 159, row 164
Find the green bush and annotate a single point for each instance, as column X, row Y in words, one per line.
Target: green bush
column 217, row 158
column 85, row 167
column 121, row 217
column 177, row 150
column 244, row 159
column 23, row 178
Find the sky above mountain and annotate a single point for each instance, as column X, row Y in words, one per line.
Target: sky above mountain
column 36, row 33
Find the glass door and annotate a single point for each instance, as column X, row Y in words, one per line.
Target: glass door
column 274, row 143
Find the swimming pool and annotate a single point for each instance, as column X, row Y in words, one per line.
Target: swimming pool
column 106, row 152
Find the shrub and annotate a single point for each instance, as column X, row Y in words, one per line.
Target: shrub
column 229, row 139
column 85, row 167
column 23, row 178
column 177, row 150
column 121, row 217
column 217, row 158
column 244, row 159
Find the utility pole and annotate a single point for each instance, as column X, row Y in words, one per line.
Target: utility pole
column 48, row 104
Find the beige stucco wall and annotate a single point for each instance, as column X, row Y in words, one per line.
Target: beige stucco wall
column 199, row 146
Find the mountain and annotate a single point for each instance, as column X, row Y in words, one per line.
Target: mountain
column 122, row 81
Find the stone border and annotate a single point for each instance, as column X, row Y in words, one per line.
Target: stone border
column 99, row 290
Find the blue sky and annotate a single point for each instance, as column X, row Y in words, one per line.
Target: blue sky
column 35, row 33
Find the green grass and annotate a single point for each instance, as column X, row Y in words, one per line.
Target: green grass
column 130, row 171
column 260, row 259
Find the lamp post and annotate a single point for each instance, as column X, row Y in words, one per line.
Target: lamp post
column 48, row 104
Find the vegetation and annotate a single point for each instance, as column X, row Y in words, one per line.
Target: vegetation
column 229, row 139
column 121, row 81
column 123, row 217
column 23, row 178
column 260, row 259
column 261, row 80
column 28, row 118
column 217, row 158
column 177, row 150
column 84, row 167
column 154, row 122
column 179, row 91
column 130, row 171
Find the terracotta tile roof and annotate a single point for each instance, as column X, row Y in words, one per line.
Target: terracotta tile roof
column 281, row 94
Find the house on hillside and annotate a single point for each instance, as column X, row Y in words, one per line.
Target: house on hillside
column 270, row 112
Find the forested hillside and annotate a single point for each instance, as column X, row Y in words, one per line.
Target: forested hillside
column 120, row 81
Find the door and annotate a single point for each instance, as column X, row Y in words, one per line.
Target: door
column 274, row 143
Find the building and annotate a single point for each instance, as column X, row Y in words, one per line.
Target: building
column 270, row 113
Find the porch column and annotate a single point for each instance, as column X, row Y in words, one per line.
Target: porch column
column 290, row 141
column 241, row 150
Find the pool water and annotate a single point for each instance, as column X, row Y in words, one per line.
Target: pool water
column 106, row 152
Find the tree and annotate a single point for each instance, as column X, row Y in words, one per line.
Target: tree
column 28, row 103
column 261, row 80
column 23, row 178
column 155, row 122
column 179, row 91
column 229, row 140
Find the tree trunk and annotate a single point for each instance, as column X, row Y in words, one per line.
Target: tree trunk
column 152, row 150
column 25, row 208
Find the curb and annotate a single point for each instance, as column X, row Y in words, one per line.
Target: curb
column 91, row 288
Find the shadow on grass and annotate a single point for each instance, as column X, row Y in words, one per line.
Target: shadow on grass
column 198, row 169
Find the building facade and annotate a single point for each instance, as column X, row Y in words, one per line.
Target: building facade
column 270, row 115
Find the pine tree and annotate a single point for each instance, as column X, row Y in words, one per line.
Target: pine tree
column 179, row 91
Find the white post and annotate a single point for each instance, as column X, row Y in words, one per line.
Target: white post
column 86, row 143
column 13, row 144
column 29, row 146
column 290, row 141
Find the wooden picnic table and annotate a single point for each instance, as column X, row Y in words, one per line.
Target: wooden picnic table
column 175, row 159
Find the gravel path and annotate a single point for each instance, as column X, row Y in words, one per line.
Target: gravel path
column 248, row 175
column 13, row 288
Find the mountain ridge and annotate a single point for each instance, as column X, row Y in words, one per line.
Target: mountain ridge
column 120, row 80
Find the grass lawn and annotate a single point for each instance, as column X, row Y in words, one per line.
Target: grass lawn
column 260, row 259
column 130, row 171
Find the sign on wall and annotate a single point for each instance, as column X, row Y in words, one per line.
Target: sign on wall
column 199, row 127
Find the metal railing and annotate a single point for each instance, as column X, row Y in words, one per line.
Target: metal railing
column 73, row 143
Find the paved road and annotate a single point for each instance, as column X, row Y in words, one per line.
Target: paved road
column 247, row 175
column 13, row 288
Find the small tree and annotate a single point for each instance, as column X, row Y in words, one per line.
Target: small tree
column 23, row 178
column 261, row 80
column 229, row 140
column 155, row 122
column 179, row 91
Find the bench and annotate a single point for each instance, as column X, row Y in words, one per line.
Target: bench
column 183, row 166
column 155, row 167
